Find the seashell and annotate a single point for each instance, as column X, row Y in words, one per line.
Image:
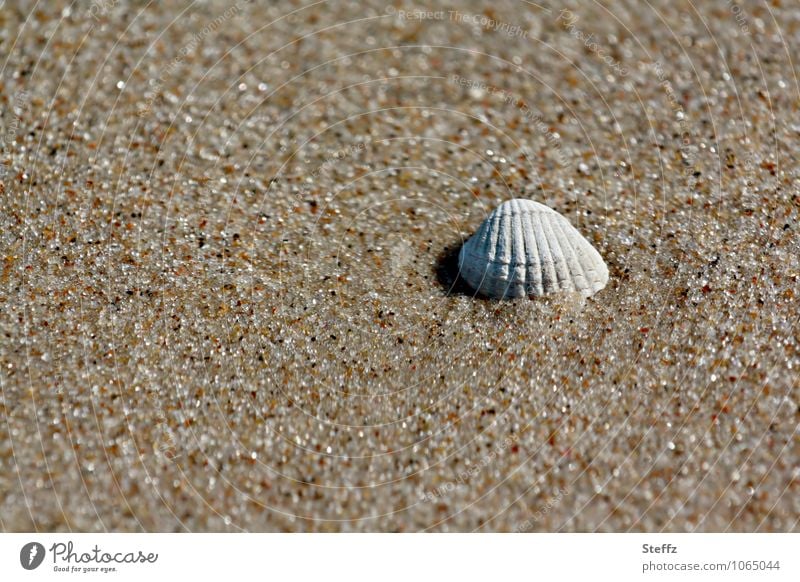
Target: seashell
column 527, row 249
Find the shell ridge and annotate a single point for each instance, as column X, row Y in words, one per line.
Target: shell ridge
column 601, row 269
column 494, row 235
column 482, row 235
column 519, row 277
column 533, row 273
column 596, row 266
column 546, row 256
column 510, row 241
column 559, row 260
column 470, row 251
column 484, row 252
column 567, row 254
column 594, row 259
column 496, row 272
column 576, row 256
column 519, row 236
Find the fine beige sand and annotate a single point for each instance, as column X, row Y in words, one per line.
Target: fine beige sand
column 229, row 296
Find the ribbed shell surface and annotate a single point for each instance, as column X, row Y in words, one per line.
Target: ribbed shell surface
column 527, row 249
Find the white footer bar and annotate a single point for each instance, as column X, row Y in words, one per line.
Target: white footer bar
column 387, row 557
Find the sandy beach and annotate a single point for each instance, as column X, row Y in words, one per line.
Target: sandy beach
column 229, row 294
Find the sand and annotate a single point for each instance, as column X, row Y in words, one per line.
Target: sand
column 228, row 299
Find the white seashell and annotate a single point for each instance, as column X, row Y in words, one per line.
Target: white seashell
column 527, row 249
